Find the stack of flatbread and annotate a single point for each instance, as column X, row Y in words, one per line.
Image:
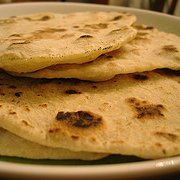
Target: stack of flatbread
column 87, row 84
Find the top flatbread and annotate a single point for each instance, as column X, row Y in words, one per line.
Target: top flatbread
column 133, row 114
column 151, row 49
column 32, row 42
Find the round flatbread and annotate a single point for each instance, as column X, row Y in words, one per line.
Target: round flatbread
column 135, row 114
column 151, row 49
column 32, row 42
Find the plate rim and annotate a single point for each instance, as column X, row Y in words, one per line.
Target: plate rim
column 89, row 5
column 133, row 169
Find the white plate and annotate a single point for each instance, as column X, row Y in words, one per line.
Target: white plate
column 124, row 170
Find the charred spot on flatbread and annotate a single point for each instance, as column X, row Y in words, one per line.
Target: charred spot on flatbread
column 2, row 93
column 94, row 87
column 19, row 42
column 43, row 18
column 145, row 110
column 50, row 30
column 12, row 87
column 149, row 27
column 85, row 36
column 11, row 112
column 18, row 94
column 168, row 136
column 75, row 26
column 117, row 18
column 170, row 48
column 72, row 91
column 79, row 119
column 15, row 35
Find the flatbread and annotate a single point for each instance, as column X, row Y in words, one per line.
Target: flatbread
column 32, row 42
column 134, row 114
column 151, row 49
column 12, row 145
